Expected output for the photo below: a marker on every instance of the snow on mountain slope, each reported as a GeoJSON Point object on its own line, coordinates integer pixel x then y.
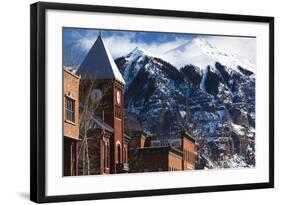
{"type": "Point", "coordinates": [132, 63]}
{"type": "Point", "coordinates": [203, 81]}
{"type": "Point", "coordinates": [216, 102]}
{"type": "Point", "coordinates": [201, 53]}
{"type": "Point", "coordinates": [151, 87]}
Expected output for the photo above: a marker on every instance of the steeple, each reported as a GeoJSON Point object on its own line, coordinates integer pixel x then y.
{"type": "Point", "coordinates": [99, 64]}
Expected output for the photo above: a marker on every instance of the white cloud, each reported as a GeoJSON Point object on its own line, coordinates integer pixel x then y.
{"type": "Point", "coordinates": [206, 50]}
{"type": "Point", "coordinates": [120, 45]}
{"type": "Point", "coordinates": [241, 46]}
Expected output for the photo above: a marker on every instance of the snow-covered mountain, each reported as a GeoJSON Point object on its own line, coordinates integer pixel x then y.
{"type": "Point", "coordinates": [211, 96]}
{"type": "Point", "coordinates": [201, 53]}
{"type": "Point", "coordinates": [155, 87]}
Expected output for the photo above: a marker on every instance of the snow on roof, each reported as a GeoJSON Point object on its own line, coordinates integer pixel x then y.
{"type": "Point", "coordinates": [96, 121]}
{"type": "Point", "coordinates": [99, 64]}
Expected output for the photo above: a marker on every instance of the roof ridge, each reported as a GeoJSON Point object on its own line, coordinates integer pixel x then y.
{"type": "Point", "coordinates": [99, 64]}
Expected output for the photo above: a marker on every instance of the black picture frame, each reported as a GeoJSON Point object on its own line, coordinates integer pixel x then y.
{"type": "Point", "coordinates": [38, 101]}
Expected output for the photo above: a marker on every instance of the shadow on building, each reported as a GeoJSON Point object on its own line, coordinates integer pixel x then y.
{"type": "Point", "coordinates": [150, 153]}
{"type": "Point", "coordinates": [94, 136]}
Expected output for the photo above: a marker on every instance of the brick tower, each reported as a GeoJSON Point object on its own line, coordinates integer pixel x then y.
{"type": "Point", "coordinates": [101, 78]}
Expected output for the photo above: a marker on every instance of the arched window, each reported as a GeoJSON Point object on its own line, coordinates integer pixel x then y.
{"type": "Point", "coordinates": [124, 154]}
{"type": "Point", "coordinates": [106, 154]}
{"type": "Point", "coordinates": [118, 153]}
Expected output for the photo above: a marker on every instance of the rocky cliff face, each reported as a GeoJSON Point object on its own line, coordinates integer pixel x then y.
{"type": "Point", "coordinates": [214, 101]}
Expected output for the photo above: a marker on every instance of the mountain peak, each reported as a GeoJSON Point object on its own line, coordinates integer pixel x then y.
{"type": "Point", "coordinates": [203, 42]}
{"type": "Point", "coordinates": [195, 43]}
{"type": "Point", "coordinates": [200, 52]}
{"type": "Point", "coordinates": [138, 51]}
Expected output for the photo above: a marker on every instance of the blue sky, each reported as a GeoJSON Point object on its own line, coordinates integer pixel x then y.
{"type": "Point", "coordinates": [78, 41]}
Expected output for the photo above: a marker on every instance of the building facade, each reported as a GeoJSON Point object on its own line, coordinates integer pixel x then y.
{"type": "Point", "coordinates": [150, 153]}
{"type": "Point", "coordinates": [99, 135]}
{"type": "Point", "coordinates": [70, 122]}
{"type": "Point", "coordinates": [94, 114]}
{"type": "Point", "coordinates": [188, 151]}
{"type": "Point", "coordinates": [102, 91]}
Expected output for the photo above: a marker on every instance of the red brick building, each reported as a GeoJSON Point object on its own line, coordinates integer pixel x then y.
{"type": "Point", "coordinates": [70, 122]}
{"type": "Point", "coordinates": [149, 154]}
{"type": "Point", "coordinates": [101, 93]}
{"type": "Point", "coordinates": [99, 135]}
{"type": "Point", "coordinates": [188, 151]}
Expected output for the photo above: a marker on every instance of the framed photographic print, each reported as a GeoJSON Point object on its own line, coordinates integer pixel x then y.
{"type": "Point", "coordinates": [129, 102]}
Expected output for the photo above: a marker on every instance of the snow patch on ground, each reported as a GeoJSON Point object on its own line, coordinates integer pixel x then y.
{"type": "Point", "coordinates": [235, 162]}
{"type": "Point", "coordinates": [238, 129]}
{"type": "Point", "coordinates": [182, 113]}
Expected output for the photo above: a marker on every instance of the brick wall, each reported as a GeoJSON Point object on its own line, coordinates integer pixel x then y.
{"type": "Point", "coordinates": [188, 154]}
{"type": "Point", "coordinates": [106, 108]}
{"type": "Point", "coordinates": [70, 157]}
{"type": "Point", "coordinates": [149, 162]}
{"type": "Point", "coordinates": [70, 129]}
{"type": "Point", "coordinates": [174, 162]}
{"type": "Point", "coordinates": [71, 90]}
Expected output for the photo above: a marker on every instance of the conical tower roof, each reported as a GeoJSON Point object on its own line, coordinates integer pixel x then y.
{"type": "Point", "coordinates": [99, 64]}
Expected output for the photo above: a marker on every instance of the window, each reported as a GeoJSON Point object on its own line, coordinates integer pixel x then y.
{"type": "Point", "coordinates": [118, 153]}
{"type": "Point", "coordinates": [106, 155]}
{"type": "Point", "coordinates": [124, 155]}
{"type": "Point", "coordinates": [103, 161]}
{"type": "Point", "coordinates": [191, 157]}
{"type": "Point", "coordinates": [118, 112]}
{"type": "Point", "coordinates": [69, 109]}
